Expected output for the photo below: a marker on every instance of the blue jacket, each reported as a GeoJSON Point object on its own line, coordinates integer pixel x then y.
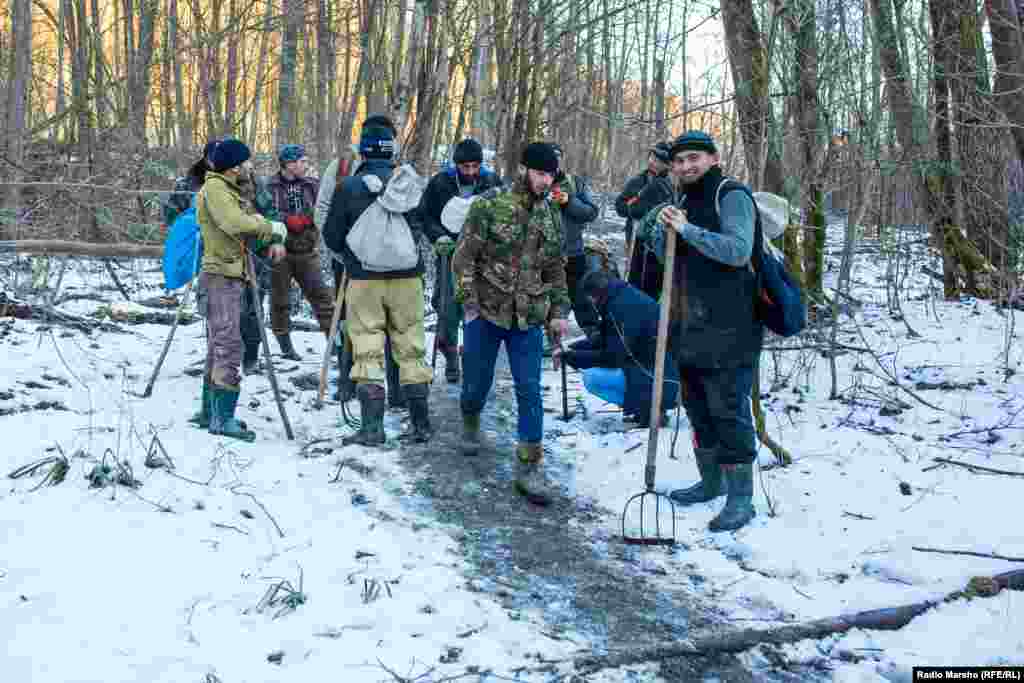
{"type": "Point", "coordinates": [580, 211]}
{"type": "Point", "coordinates": [350, 199]}
{"type": "Point", "coordinates": [628, 340]}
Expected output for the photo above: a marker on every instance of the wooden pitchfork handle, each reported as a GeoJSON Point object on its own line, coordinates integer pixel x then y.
{"type": "Point", "coordinates": [266, 349]}
{"type": "Point", "coordinates": [339, 302]}
{"type": "Point", "coordinates": [659, 357]}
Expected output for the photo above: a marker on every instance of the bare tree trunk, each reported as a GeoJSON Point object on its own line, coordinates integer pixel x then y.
{"type": "Point", "coordinates": [286, 105]}
{"type": "Point", "coordinates": [326, 55]}
{"type": "Point", "coordinates": [261, 70]}
{"type": "Point", "coordinates": [139, 61]}
{"type": "Point", "coordinates": [944, 26]}
{"type": "Point", "coordinates": [180, 108]}
{"type": "Point", "coordinates": [1004, 22]}
{"type": "Point", "coordinates": [16, 108]}
{"type": "Point", "coordinates": [166, 109]}
{"type": "Point", "coordinates": [748, 61]}
{"type": "Point", "coordinates": [232, 74]}
{"type": "Point", "coordinates": [61, 102]}
{"type": "Point", "coordinates": [98, 77]}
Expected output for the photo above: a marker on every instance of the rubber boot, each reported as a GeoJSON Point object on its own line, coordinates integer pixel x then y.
{"type": "Point", "coordinates": [371, 408]}
{"type": "Point", "coordinates": [222, 416]}
{"type": "Point", "coordinates": [419, 415]}
{"type": "Point", "coordinates": [473, 439]}
{"type": "Point", "coordinates": [396, 393]}
{"type": "Point", "coordinates": [251, 361]}
{"type": "Point", "coordinates": [202, 418]}
{"type": "Point", "coordinates": [710, 485]}
{"type": "Point", "coordinates": [451, 365]}
{"type": "Point", "coordinates": [284, 341]}
{"type": "Point", "coordinates": [739, 505]}
{"type": "Point", "coordinates": [530, 481]}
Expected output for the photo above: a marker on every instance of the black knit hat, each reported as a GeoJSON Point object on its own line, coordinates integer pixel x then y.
{"type": "Point", "coordinates": [662, 152]}
{"type": "Point", "coordinates": [540, 156]}
{"type": "Point", "coordinates": [694, 141]}
{"type": "Point", "coordinates": [468, 151]}
{"type": "Point", "coordinates": [377, 137]}
{"type": "Point", "coordinates": [228, 154]}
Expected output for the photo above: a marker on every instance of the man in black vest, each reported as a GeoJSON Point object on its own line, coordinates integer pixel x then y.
{"type": "Point", "coordinates": [717, 335]}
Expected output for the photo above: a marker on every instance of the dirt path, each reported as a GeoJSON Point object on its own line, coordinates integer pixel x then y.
{"type": "Point", "coordinates": [529, 557]}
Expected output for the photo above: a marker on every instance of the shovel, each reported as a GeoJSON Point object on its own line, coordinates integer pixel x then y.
{"type": "Point", "coordinates": [645, 537]}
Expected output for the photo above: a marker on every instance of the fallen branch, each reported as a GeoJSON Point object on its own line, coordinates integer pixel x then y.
{"type": "Point", "coordinates": [265, 511]}
{"type": "Point", "coordinates": [66, 248]}
{"type": "Point", "coordinates": [990, 470]}
{"type": "Point", "coordinates": [888, 619]}
{"type": "Point", "coordinates": [971, 553]}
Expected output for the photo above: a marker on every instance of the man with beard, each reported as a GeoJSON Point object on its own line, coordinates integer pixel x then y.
{"type": "Point", "coordinates": [464, 179]}
{"type": "Point", "coordinates": [510, 279]}
{"type": "Point", "coordinates": [642, 193]}
{"type": "Point", "coordinates": [717, 334]}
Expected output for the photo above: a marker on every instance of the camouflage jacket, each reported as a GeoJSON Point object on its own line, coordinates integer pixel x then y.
{"type": "Point", "coordinates": [509, 262]}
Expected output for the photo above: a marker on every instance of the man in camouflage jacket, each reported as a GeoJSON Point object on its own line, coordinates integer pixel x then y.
{"type": "Point", "coordinates": [510, 279]}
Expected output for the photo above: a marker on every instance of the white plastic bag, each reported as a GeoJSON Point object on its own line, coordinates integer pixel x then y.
{"type": "Point", "coordinates": [454, 213]}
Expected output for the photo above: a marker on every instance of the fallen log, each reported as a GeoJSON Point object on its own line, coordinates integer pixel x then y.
{"type": "Point", "coordinates": [887, 619]}
{"type": "Point", "coordinates": [11, 308]}
{"type": "Point", "coordinates": [68, 248]}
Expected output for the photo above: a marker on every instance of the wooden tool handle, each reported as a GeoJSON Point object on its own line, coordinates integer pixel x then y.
{"type": "Point", "coordinates": [659, 357]}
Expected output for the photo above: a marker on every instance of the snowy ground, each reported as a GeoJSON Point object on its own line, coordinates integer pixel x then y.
{"type": "Point", "coordinates": [164, 582]}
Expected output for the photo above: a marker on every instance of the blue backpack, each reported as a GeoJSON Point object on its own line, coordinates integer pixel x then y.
{"type": "Point", "coordinates": [780, 302]}
{"type": "Point", "coordinates": [183, 249]}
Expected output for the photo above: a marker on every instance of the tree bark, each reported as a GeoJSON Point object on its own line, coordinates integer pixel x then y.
{"type": "Point", "coordinates": [1004, 22]}
{"type": "Point", "coordinates": [286, 104]}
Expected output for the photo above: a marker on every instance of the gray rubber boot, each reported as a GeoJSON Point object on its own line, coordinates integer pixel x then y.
{"type": "Point", "coordinates": [710, 485]}
{"type": "Point", "coordinates": [371, 408]}
{"type": "Point", "coordinates": [739, 505]}
{"type": "Point", "coordinates": [531, 482]}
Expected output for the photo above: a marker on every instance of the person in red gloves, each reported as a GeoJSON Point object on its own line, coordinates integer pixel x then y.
{"type": "Point", "coordinates": [295, 197]}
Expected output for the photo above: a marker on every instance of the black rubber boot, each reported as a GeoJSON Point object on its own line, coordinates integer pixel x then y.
{"type": "Point", "coordinates": [451, 365]}
{"type": "Point", "coordinates": [419, 415]}
{"type": "Point", "coordinates": [710, 485]}
{"type": "Point", "coordinates": [222, 416]}
{"type": "Point", "coordinates": [739, 505]}
{"type": "Point", "coordinates": [371, 407]}
{"type": "Point", "coordinates": [284, 341]}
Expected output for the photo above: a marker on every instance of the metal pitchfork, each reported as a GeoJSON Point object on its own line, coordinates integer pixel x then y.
{"type": "Point", "coordinates": [645, 538]}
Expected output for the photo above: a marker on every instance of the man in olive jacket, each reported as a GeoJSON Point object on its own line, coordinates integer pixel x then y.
{"type": "Point", "coordinates": [225, 221]}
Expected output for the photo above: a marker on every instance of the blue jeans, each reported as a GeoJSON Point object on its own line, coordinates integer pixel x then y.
{"type": "Point", "coordinates": [481, 340]}
{"type": "Point", "coordinates": [608, 384]}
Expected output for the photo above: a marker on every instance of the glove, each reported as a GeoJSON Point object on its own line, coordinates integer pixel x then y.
{"type": "Point", "coordinates": [279, 230]}
{"type": "Point", "coordinates": [297, 223]}
{"type": "Point", "coordinates": [372, 183]}
{"type": "Point", "coordinates": [444, 246]}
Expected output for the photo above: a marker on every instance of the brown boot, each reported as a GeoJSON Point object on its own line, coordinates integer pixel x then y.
{"type": "Point", "coordinates": [531, 482]}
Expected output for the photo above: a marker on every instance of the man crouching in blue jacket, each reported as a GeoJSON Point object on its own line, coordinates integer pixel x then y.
{"type": "Point", "coordinates": [618, 362]}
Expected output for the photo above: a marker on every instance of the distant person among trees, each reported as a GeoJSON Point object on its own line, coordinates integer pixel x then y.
{"type": "Point", "coordinates": [641, 193]}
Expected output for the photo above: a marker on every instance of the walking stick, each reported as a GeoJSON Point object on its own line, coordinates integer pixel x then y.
{"type": "Point", "coordinates": [629, 254]}
{"type": "Point", "coordinates": [266, 349]}
{"type": "Point", "coordinates": [643, 538]}
{"type": "Point", "coordinates": [339, 302]}
{"type": "Point", "coordinates": [565, 389]}
{"type": "Point", "coordinates": [167, 343]}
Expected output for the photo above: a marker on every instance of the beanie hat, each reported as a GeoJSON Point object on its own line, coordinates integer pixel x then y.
{"type": "Point", "coordinates": [540, 156]}
{"type": "Point", "coordinates": [662, 152]}
{"type": "Point", "coordinates": [208, 149]}
{"type": "Point", "coordinates": [694, 141]}
{"type": "Point", "coordinates": [289, 153]}
{"type": "Point", "coordinates": [377, 138]}
{"type": "Point", "coordinates": [228, 154]}
{"type": "Point", "coordinates": [468, 151]}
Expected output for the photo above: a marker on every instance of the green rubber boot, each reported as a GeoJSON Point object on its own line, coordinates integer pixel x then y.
{"type": "Point", "coordinates": [202, 418]}
{"type": "Point", "coordinates": [710, 485]}
{"type": "Point", "coordinates": [473, 440]}
{"type": "Point", "coordinates": [222, 415]}
{"type": "Point", "coordinates": [739, 505]}
{"type": "Point", "coordinates": [371, 417]}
